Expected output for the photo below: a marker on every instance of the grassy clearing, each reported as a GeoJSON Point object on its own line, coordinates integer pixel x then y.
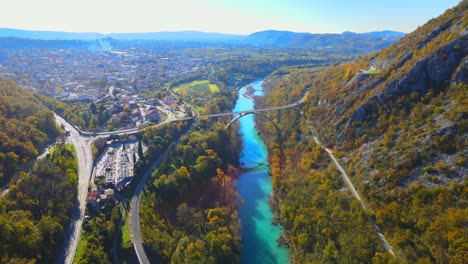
{"type": "Point", "coordinates": [203, 86]}
{"type": "Point", "coordinates": [373, 72]}
{"type": "Point", "coordinates": [214, 88]}
{"type": "Point", "coordinates": [80, 250]}
{"type": "Point", "coordinates": [199, 109]}
{"type": "Point", "coordinates": [126, 240]}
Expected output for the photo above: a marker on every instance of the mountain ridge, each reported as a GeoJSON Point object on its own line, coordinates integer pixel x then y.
{"type": "Point", "coordinates": [276, 38]}
{"type": "Point", "coordinates": [285, 38]}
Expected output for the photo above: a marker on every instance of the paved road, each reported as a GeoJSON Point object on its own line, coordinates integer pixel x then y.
{"type": "Point", "coordinates": [350, 186]}
{"type": "Point", "coordinates": [85, 164]}
{"type": "Point", "coordinates": [135, 203]}
{"type": "Point", "coordinates": [5, 189]}
{"type": "Point", "coordinates": [4, 192]}
{"type": "Point", "coordinates": [135, 213]}
{"type": "Point", "coordinates": [135, 207]}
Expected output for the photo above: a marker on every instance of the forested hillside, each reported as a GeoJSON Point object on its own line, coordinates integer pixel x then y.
{"type": "Point", "coordinates": [34, 214]}
{"type": "Point", "coordinates": [397, 122]}
{"type": "Point", "coordinates": [189, 210]}
{"type": "Point", "coordinates": [346, 43]}
{"type": "Point", "coordinates": [35, 211]}
{"type": "Point", "coordinates": [26, 125]}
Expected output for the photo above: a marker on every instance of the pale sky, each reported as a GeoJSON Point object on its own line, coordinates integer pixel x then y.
{"type": "Point", "coordinates": [225, 16]}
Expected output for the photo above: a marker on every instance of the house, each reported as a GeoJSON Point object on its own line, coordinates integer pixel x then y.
{"type": "Point", "coordinates": [136, 112]}
{"type": "Point", "coordinates": [109, 192]}
{"type": "Point", "coordinates": [133, 104]}
{"type": "Point", "coordinates": [168, 100]}
{"type": "Point", "coordinates": [153, 115]}
{"type": "Point", "coordinates": [174, 107]}
{"type": "Point", "coordinates": [92, 196]}
{"type": "Point", "coordinates": [91, 199]}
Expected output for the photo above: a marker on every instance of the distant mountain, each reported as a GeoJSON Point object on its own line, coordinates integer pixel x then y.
{"type": "Point", "coordinates": [26, 43]}
{"type": "Point", "coordinates": [348, 41]}
{"type": "Point", "coordinates": [48, 35]}
{"type": "Point", "coordinates": [195, 36]}
{"type": "Point", "coordinates": [383, 33]}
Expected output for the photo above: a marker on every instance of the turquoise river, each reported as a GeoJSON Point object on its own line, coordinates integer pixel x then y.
{"type": "Point", "coordinates": [259, 235]}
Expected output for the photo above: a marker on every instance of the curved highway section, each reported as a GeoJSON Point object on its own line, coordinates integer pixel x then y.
{"type": "Point", "coordinates": [135, 206]}
{"type": "Point", "coordinates": [84, 155]}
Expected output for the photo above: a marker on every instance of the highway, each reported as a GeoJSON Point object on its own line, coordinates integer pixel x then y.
{"type": "Point", "coordinates": [82, 146]}
{"type": "Point", "coordinates": [135, 213]}
{"type": "Point", "coordinates": [82, 140]}
{"type": "Point", "coordinates": [135, 207]}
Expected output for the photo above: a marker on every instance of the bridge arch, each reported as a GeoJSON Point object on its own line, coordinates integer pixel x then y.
{"type": "Point", "coordinates": [252, 113]}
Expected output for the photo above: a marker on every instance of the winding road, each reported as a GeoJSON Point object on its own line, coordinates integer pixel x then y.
{"type": "Point", "coordinates": [135, 213]}
{"type": "Point", "coordinates": [82, 146]}
{"type": "Point", "coordinates": [135, 206]}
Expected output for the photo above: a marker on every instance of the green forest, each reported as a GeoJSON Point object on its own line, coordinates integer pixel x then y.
{"type": "Point", "coordinates": [26, 125]}
{"type": "Point", "coordinates": [189, 207]}
{"type": "Point", "coordinates": [36, 210]}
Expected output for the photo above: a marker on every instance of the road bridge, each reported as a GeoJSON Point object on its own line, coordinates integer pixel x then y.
{"type": "Point", "coordinates": [232, 115]}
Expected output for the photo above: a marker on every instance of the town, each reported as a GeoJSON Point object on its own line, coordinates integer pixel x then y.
{"type": "Point", "coordinates": [82, 74]}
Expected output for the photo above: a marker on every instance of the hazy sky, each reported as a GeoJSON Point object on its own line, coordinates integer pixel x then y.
{"type": "Point", "coordinates": [227, 16]}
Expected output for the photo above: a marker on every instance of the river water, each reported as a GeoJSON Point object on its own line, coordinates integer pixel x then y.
{"type": "Point", "coordinates": [259, 235]}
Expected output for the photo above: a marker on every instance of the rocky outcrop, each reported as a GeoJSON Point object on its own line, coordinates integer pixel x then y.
{"type": "Point", "coordinates": [461, 75]}
{"type": "Point", "coordinates": [448, 65]}
{"type": "Point", "coordinates": [434, 72]}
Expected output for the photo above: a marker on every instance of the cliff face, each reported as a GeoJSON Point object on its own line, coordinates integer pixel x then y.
{"type": "Point", "coordinates": [409, 107]}
{"type": "Point", "coordinates": [445, 67]}
{"type": "Point", "coordinates": [434, 57]}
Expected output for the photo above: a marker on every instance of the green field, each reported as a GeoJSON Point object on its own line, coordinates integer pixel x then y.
{"type": "Point", "coordinates": [197, 86]}
{"type": "Point", "coordinates": [126, 239]}
{"type": "Point", "coordinates": [373, 72]}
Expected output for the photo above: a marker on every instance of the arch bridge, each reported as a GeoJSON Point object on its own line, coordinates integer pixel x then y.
{"type": "Point", "coordinates": [233, 118]}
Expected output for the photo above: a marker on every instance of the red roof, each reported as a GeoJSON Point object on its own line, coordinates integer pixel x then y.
{"type": "Point", "coordinates": [92, 196]}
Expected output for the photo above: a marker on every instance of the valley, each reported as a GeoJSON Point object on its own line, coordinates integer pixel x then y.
{"type": "Point", "coordinates": [271, 147]}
